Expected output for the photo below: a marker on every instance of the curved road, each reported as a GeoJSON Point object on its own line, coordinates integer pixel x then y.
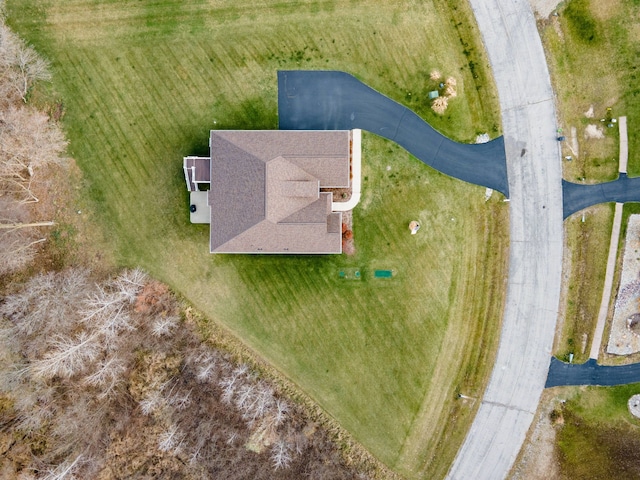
{"type": "Point", "coordinates": [317, 100]}
{"type": "Point", "coordinates": [529, 123]}
{"type": "Point", "coordinates": [332, 100]}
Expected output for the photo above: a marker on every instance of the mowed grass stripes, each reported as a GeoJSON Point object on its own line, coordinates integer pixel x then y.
{"type": "Point", "coordinates": [143, 82]}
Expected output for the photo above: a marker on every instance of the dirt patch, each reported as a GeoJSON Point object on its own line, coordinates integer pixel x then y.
{"type": "Point", "coordinates": [633, 323]}
{"type": "Point", "coordinates": [634, 32]}
{"type": "Point", "coordinates": [575, 149]}
{"type": "Point", "coordinates": [543, 8]}
{"type": "Point", "coordinates": [348, 243]}
{"type": "Point", "coordinates": [76, 238]}
{"type": "Point", "coordinates": [338, 194]}
{"type": "Point", "coordinates": [605, 10]}
{"type": "Point", "coordinates": [589, 113]}
{"type": "Point", "coordinates": [537, 460]}
{"type": "Point", "coordinates": [555, 23]}
{"type": "Point", "coordinates": [593, 131]}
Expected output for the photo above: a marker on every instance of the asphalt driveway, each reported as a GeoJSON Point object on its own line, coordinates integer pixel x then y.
{"type": "Point", "coordinates": [575, 196]}
{"type": "Point", "coordinates": [332, 100]}
{"type": "Point", "coordinates": [591, 373]}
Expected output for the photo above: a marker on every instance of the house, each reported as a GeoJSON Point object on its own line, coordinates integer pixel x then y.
{"type": "Point", "coordinates": [266, 191]}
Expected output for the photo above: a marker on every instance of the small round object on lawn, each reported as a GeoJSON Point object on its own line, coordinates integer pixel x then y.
{"type": "Point", "coordinates": [634, 405]}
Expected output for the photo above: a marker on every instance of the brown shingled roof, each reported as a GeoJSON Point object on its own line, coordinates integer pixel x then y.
{"type": "Point", "coordinates": [265, 190]}
{"type": "Point", "coordinates": [237, 194]}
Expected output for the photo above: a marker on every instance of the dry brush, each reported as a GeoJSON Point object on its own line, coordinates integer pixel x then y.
{"type": "Point", "coordinates": [29, 142]}
{"type": "Point", "coordinates": [107, 379]}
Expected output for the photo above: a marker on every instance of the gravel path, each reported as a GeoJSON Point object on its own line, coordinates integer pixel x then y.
{"type": "Point", "coordinates": [624, 340]}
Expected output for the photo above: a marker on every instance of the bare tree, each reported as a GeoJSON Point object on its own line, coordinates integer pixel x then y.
{"type": "Point", "coordinates": [206, 370]}
{"type": "Point", "coordinates": [171, 440]}
{"type": "Point", "coordinates": [47, 305]}
{"type": "Point", "coordinates": [163, 326]}
{"type": "Point", "coordinates": [64, 470]}
{"type": "Point", "coordinates": [31, 67]}
{"type": "Point", "coordinates": [107, 310]}
{"type": "Point", "coordinates": [281, 454]}
{"type": "Point", "coordinates": [19, 236]}
{"type": "Point", "coordinates": [180, 400]}
{"type": "Point", "coordinates": [35, 406]}
{"type": "Point", "coordinates": [17, 249]}
{"type": "Point", "coordinates": [28, 141]}
{"type": "Point", "coordinates": [21, 64]}
{"type": "Point", "coordinates": [439, 105]}
{"type": "Point", "coordinates": [245, 396]}
{"type": "Point", "coordinates": [151, 402]}
{"type": "Point", "coordinates": [129, 283]}
{"type": "Point", "coordinates": [107, 376]}
{"type": "Point", "coordinates": [67, 357]}
{"type": "Point", "coordinates": [9, 75]}
{"type": "Point", "coordinates": [260, 405]}
{"type": "Point", "coordinates": [282, 408]}
{"type": "Point", "coordinates": [231, 439]}
{"type": "Point", "coordinates": [231, 382]}
{"type": "Point", "coordinates": [107, 314]}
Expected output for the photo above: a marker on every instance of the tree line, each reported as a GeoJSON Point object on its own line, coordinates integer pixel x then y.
{"type": "Point", "coordinates": [30, 141]}
{"type": "Point", "coordinates": [106, 379]}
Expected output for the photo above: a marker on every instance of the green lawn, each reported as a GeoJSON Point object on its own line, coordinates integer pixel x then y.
{"type": "Point", "coordinates": [593, 49]}
{"type": "Point", "coordinates": [587, 250]}
{"type": "Point", "coordinates": [142, 83]}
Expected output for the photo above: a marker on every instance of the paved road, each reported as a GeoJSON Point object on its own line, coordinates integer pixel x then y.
{"type": "Point", "coordinates": [529, 122]}
{"type": "Point", "coordinates": [330, 100]}
{"type": "Point", "coordinates": [591, 373]}
{"type": "Point", "coordinates": [577, 196]}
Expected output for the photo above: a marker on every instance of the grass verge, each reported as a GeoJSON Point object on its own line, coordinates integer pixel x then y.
{"type": "Point", "coordinates": [593, 50]}
{"type": "Point", "coordinates": [587, 253]}
{"type": "Point", "coordinates": [143, 82]}
{"type": "Point", "coordinates": [587, 248]}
